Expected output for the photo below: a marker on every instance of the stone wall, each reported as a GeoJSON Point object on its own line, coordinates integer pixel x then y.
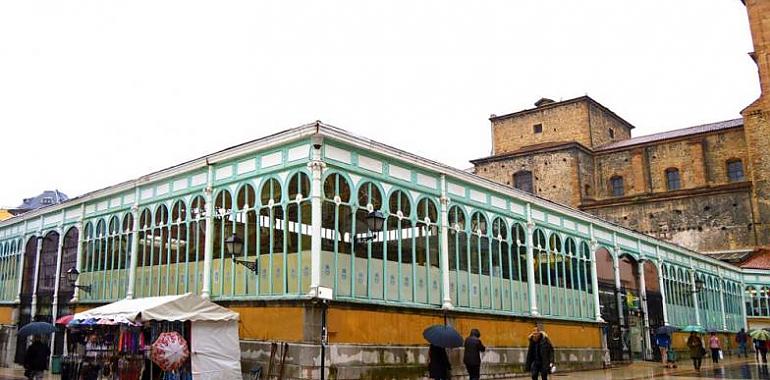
{"type": "Point", "coordinates": [601, 122]}
{"type": "Point", "coordinates": [565, 122]}
{"type": "Point", "coordinates": [554, 173]}
{"type": "Point", "coordinates": [346, 361]}
{"type": "Point", "coordinates": [711, 221]}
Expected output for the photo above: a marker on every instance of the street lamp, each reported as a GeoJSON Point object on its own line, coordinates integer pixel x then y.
{"type": "Point", "coordinates": [72, 277]}
{"type": "Point", "coordinates": [234, 247]}
{"type": "Point", "coordinates": [374, 221]}
{"type": "Point", "coordinates": [698, 285]}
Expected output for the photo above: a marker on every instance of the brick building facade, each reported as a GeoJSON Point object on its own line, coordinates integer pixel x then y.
{"type": "Point", "coordinates": [705, 187]}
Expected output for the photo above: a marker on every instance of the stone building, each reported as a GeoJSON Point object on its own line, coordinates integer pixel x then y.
{"type": "Point", "coordinates": [705, 187]}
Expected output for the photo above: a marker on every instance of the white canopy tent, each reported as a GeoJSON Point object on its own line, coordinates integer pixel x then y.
{"type": "Point", "coordinates": [214, 345]}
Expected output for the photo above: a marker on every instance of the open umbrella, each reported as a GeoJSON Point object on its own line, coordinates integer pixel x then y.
{"type": "Point", "coordinates": [759, 334]}
{"type": "Point", "coordinates": [443, 336]}
{"type": "Point", "coordinates": [667, 329]}
{"type": "Point", "coordinates": [37, 328]}
{"type": "Point", "coordinates": [693, 328]}
{"type": "Point", "coordinates": [64, 320]}
{"type": "Point", "coordinates": [169, 351]}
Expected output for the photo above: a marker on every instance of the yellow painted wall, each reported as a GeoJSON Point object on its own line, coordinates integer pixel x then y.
{"type": "Point", "coordinates": [271, 323]}
{"type": "Point", "coordinates": [6, 315]}
{"type": "Point", "coordinates": [385, 327]}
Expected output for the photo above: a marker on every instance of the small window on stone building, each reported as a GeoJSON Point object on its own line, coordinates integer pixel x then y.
{"type": "Point", "coordinates": [522, 180]}
{"type": "Point", "coordinates": [537, 128]}
{"type": "Point", "coordinates": [735, 170]}
{"type": "Point", "coordinates": [616, 186]}
{"type": "Point", "coordinates": [673, 182]}
{"type": "Point", "coordinates": [612, 133]}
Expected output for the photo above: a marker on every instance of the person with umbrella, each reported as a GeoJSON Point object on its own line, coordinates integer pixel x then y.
{"type": "Point", "coordinates": [695, 344]}
{"type": "Point", "coordinates": [663, 341]}
{"type": "Point", "coordinates": [440, 337]}
{"type": "Point", "coordinates": [472, 354]}
{"type": "Point", "coordinates": [36, 359]}
{"type": "Point", "coordinates": [539, 355]}
{"type": "Point", "coordinates": [760, 338]}
{"type": "Point", "coordinates": [438, 363]}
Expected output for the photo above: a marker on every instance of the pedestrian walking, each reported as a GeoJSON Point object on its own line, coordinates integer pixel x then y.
{"type": "Point", "coordinates": [539, 355]}
{"type": "Point", "coordinates": [761, 350]}
{"type": "Point", "coordinates": [742, 338]}
{"type": "Point", "coordinates": [695, 344]}
{"type": "Point", "coordinates": [36, 359]}
{"type": "Point", "coordinates": [472, 354]}
{"type": "Point", "coordinates": [715, 346]}
{"type": "Point", "coordinates": [663, 341]}
{"type": "Point", "coordinates": [438, 363]}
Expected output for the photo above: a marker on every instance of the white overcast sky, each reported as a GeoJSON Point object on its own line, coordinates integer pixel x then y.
{"type": "Point", "coordinates": [93, 93]}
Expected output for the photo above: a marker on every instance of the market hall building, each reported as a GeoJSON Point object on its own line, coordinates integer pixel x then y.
{"type": "Point", "coordinates": [485, 255]}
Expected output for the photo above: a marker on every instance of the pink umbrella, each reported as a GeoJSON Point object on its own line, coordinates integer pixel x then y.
{"type": "Point", "coordinates": [64, 320]}
{"type": "Point", "coordinates": [169, 351]}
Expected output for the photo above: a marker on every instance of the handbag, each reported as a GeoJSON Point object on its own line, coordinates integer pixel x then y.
{"type": "Point", "coordinates": [721, 355]}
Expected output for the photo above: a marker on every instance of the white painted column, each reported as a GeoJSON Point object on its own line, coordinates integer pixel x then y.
{"type": "Point", "coordinates": [316, 166]}
{"type": "Point", "coordinates": [618, 296]}
{"type": "Point", "coordinates": [743, 306]}
{"type": "Point", "coordinates": [446, 303]}
{"type": "Point", "coordinates": [208, 248]}
{"type": "Point", "coordinates": [695, 297]}
{"type": "Point", "coordinates": [79, 254]}
{"type": "Point", "coordinates": [531, 263]}
{"type": "Point", "coordinates": [38, 247]}
{"type": "Point", "coordinates": [595, 280]}
{"type": "Point", "coordinates": [643, 304]}
{"type": "Point", "coordinates": [662, 285]}
{"type": "Point", "coordinates": [55, 303]}
{"type": "Point", "coordinates": [20, 265]}
{"type": "Point", "coordinates": [134, 250]}
{"type": "Point", "coordinates": [722, 300]}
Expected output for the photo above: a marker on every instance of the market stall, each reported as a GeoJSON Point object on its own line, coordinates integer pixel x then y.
{"type": "Point", "coordinates": [171, 337]}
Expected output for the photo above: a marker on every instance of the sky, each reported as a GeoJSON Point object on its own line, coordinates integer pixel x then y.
{"type": "Point", "coordinates": [93, 93]}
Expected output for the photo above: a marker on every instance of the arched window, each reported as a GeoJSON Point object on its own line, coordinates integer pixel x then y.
{"type": "Point", "coordinates": [673, 181]}
{"type": "Point", "coordinates": [616, 186]}
{"type": "Point", "coordinates": [522, 180]}
{"type": "Point", "coordinates": [299, 215]}
{"type": "Point", "coordinates": [735, 170]}
{"type": "Point", "coordinates": [337, 225]}
{"type": "Point", "coordinates": [479, 261]}
{"type": "Point", "coordinates": [399, 247]}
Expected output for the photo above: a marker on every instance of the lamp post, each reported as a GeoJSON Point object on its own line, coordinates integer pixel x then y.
{"type": "Point", "coordinates": [72, 277]}
{"type": "Point", "coordinates": [374, 221]}
{"type": "Point", "coordinates": [234, 247]}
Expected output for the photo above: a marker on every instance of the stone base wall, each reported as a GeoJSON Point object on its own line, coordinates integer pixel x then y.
{"type": "Point", "coordinates": [345, 361]}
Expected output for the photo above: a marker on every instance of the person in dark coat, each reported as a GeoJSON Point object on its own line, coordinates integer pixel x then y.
{"type": "Point", "coordinates": [36, 359]}
{"type": "Point", "coordinates": [472, 355]}
{"type": "Point", "coordinates": [539, 355]}
{"type": "Point", "coordinates": [695, 344]}
{"type": "Point", "coordinates": [438, 363]}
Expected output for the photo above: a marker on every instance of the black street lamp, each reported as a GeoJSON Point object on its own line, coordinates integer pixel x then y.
{"type": "Point", "coordinates": [234, 247]}
{"type": "Point", "coordinates": [374, 221]}
{"type": "Point", "coordinates": [699, 283]}
{"type": "Point", "coordinates": [72, 277]}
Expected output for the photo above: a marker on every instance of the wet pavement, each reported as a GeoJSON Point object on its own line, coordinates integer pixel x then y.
{"type": "Point", "coordinates": [730, 369]}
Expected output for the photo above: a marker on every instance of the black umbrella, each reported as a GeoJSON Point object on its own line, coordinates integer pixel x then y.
{"type": "Point", "coordinates": [667, 329]}
{"type": "Point", "coordinates": [443, 336]}
{"type": "Point", "coordinates": [37, 328]}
